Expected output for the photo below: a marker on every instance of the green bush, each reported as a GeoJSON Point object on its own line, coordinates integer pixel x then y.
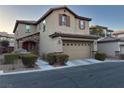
{"type": "Point", "coordinates": [29, 60]}
{"type": "Point", "coordinates": [57, 58]}
{"type": "Point", "coordinates": [51, 58]}
{"type": "Point", "coordinates": [100, 56]}
{"type": "Point", "coordinates": [121, 56]}
{"type": "Point", "coordinates": [9, 58]}
{"type": "Point", "coordinates": [62, 58]}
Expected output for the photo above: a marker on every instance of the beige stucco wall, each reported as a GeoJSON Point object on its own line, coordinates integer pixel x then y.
{"type": "Point", "coordinates": [48, 44]}
{"type": "Point", "coordinates": [21, 31]}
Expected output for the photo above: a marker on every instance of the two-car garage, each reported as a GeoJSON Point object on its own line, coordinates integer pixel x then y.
{"type": "Point", "coordinates": [78, 49]}
{"type": "Point", "coordinates": [77, 46]}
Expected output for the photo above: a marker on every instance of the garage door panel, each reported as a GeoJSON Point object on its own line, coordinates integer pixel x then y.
{"type": "Point", "coordinates": [77, 50]}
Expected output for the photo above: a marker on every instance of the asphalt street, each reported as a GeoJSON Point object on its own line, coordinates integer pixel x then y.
{"type": "Point", "coordinates": [102, 75]}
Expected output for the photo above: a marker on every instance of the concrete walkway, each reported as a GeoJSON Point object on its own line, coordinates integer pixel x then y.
{"type": "Point", "coordinates": [45, 66]}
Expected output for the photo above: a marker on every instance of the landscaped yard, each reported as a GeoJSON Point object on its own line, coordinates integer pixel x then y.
{"type": "Point", "coordinates": [16, 66]}
{"type": "Point", "coordinates": [24, 61]}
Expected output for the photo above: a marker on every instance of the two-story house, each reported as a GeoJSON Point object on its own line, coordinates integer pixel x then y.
{"type": "Point", "coordinates": [58, 30]}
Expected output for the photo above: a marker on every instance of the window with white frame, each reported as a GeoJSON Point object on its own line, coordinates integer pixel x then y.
{"type": "Point", "coordinates": [81, 24]}
{"type": "Point", "coordinates": [28, 28]}
{"type": "Point", "coordinates": [64, 19]}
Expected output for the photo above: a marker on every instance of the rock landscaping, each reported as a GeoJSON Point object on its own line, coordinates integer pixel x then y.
{"type": "Point", "coordinates": [12, 62]}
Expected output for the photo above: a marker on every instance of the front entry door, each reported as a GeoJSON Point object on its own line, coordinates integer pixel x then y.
{"type": "Point", "coordinates": [29, 45]}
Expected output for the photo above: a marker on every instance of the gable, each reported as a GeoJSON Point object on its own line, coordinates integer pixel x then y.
{"type": "Point", "coordinates": [60, 8]}
{"type": "Point", "coordinates": [48, 13]}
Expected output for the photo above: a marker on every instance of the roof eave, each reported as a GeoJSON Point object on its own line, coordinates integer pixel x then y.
{"type": "Point", "coordinates": [109, 41]}
{"type": "Point", "coordinates": [73, 36]}
{"type": "Point", "coordinates": [17, 22]}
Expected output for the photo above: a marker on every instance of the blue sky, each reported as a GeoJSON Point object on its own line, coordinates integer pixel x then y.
{"type": "Point", "coordinates": [110, 16]}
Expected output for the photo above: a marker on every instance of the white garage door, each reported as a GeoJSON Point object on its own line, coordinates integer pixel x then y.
{"type": "Point", "coordinates": [122, 49]}
{"type": "Point", "coordinates": [77, 50]}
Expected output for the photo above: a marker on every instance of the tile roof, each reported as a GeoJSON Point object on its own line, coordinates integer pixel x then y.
{"type": "Point", "coordinates": [118, 32]}
{"type": "Point", "coordinates": [46, 14]}
{"type": "Point", "coordinates": [110, 39]}
{"type": "Point", "coordinates": [70, 35]}
{"type": "Point", "coordinates": [5, 34]}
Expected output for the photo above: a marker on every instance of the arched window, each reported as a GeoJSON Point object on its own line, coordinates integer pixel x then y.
{"type": "Point", "coordinates": [64, 20]}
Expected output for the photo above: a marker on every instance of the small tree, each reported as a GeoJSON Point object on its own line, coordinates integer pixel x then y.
{"type": "Point", "coordinates": [4, 43]}
{"type": "Point", "coordinates": [97, 31]}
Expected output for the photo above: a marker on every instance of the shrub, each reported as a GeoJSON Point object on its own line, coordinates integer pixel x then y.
{"type": "Point", "coordinates": [121, 56]}
{"type": "Point", "coordinates": [29, 60]}
{"type": "Point", "coordinates": [50, 57]}
{"type": "Point", "coordinates": [9, 58]}
{"type": "Point", "coordinates": [62, 59]}
{"type": "Point", "coordinates": [100, 56]}
{"type": "Point", "coordinates": [57, 58]}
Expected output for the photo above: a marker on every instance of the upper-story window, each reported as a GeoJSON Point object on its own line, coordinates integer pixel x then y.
{"type": "Point", "coordinates": [64, 20]}
{"type": "Point", "coordinates": [28, 28]}
{"type": "Point", "coordinates": [81, 24]}
{"type": "Point", "coordinates": [44, 25]}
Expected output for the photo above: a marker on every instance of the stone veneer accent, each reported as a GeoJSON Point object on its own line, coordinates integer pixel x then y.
{"type": "Point", "coordinates": [35, 38]}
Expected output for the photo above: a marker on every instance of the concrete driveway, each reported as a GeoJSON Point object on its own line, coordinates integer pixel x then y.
{"type": "Point", "coordinates": [79, 62]}
{"type": "Point", "coordinates": [97, 75]}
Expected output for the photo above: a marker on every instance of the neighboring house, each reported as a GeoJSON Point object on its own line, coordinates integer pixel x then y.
{"type": "Point", "coordinates": [112, 46]}
{"type": "Point", "coordinates": [58, 30]}
{"type": "Point", "coordinates": [8, 37]}
{"type": "Point", "coordinates": [105, 31]}
{"type": "Point", "coordinates": [119, 34]}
